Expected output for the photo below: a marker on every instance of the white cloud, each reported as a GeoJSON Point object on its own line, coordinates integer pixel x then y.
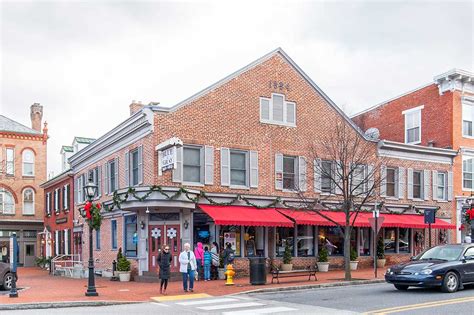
{"type": "Point", "coordinates": [86, 61]}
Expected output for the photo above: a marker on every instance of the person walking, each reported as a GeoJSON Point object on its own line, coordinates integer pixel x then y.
{"type": "Point", "coordinates": [215, 260]}
{"type": "Point", "coordinates": [164, 261]}
{"type": "Point", "coordinates": [199, 254]}
{"type": "Point", "coordinates": [228, 255]}
{"type": "Point", "coordinates": [207, 264]}
{"type": "Point", "coordinates": [187, 266]}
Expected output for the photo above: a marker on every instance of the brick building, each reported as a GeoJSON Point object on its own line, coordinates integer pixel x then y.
{"type": "Point", "coordinates": [22, 169]}
{"type": "Point", "coordinates": [248, 135]}
{"type": "Point", "coordinates": [439, 114]}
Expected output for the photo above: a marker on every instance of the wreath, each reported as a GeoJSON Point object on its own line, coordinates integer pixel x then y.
{"type": "Point", "coordinates": [92, 215]}
{"type": "Point", "coordinates": [469, 216]}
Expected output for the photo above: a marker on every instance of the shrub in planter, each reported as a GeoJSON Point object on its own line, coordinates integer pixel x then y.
{"type": "Point", "coordinates": [287, 265]}
{"type": "Point", "coordinates": [380, 253]}
{"type": "Point", "coordinates": [123, 266]}
{"type": "Point", "coordinates": [353, 259]}
{"type": "Point", "coordinates": [323, 261]}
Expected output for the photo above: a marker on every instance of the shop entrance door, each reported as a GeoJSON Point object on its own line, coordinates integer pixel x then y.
{"type": "Point", "coordinates": [29, 251]}
{"type": "Point", "coordinates": [158, 236]}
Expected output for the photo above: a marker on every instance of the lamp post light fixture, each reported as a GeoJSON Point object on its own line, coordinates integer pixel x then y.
{"type": "Point", "coordinates": [90, 191]}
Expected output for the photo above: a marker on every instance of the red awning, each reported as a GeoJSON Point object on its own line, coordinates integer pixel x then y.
{"type": "Point", "coordinates": [390, 220]}
{"type": "Point", "coordinates": [249, 216]}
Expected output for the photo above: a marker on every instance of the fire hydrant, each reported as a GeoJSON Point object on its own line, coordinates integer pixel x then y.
{"type": "Point", "coordinates": [230, 275]}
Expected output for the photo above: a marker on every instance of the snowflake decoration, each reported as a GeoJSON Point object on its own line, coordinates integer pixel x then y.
{"type": "Point", "coordinates": [155, 233]}
{"type": "Point", "coordinates": [171, 233]}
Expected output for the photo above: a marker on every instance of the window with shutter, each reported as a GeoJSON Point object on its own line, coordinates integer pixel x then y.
{"type": "Point", "coordinates": [193, 164]}
{"type": "Point", "coordinates": [417, 181]}
{"type": "Point", "coordinates": [327, 177]}
{"type": "Point", "coordinates": [239, 168]}
{"type": "Point", "coordinates": [441, 186]}
{"type": "Point", "coordinates": [290, 172]}
{"type": "Point", "coordinates": [134, 168]}
{"type": "Point", "coordinates": [391, 182]}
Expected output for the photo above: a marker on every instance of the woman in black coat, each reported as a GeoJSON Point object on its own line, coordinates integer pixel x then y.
{"type": "Point", "coordinates": [164, 261]}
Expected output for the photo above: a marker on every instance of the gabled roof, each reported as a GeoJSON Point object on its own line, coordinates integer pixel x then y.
{"type": "Point", "coordinates": [252, 65]}
{"type": "Point", "coordinates": [83, 140]}
{"type": "Point", "coordinates": [9, 125]}
{"type": "Point", "coordinates": [67, 148]}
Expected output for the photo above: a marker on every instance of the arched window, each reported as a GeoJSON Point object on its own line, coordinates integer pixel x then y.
{"type": "Point", "coordinates": [28, 163]}
{"type": "Point", "coordinates": [28, 201]}
{"type": "Point", "coordinates": [7, 203]}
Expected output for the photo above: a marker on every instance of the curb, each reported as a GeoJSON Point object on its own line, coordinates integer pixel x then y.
{"type": "Point", "coordinates": [312, 286]}
{"type": "Point", "coordinates": [45, 305]}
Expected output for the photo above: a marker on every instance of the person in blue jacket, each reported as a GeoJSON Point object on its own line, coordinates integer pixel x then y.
{"type": "Point", "coordinates": [207, 264]}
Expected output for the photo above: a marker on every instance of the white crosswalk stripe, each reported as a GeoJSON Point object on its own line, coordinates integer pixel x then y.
{"type": "Point", "coordinates": [270, 310]}
{"type": "Point", "coordinates": [229, 306]}
{"type": "Point", "coordinates": [209, 301]}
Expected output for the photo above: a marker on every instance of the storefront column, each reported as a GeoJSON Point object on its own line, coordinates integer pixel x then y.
{"type": "Point", "coordinates": [265, 244]}
{"type": "Point", "coordinates": [242, 241]}
{"type": "Point", "coordinates": [295, 241]}
{"type": "Point", "coordinates": [316, 241]}
{"type": "Point", "coordinates": [142, 254]}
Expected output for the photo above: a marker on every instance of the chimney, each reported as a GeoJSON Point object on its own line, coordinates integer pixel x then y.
{"type": "Point", "coordinates": [36, 114]}
{"type": "Point", "coordinates": [135, 107]}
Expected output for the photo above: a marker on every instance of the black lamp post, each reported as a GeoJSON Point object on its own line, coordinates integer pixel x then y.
{"type": "Point", "coordinates": [90, 191]}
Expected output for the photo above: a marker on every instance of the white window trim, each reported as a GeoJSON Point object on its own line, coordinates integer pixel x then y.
{"type": "Point", "coordinates": [48, 203]}
{"type": "Point", "coordinates": [411, 111]}
{"type": "Point", "coordinates": [66, 197]}
{"type": "Point", "coordinates": [471, 120]}
{"type": "Point", "coordinates": [396, 183]}
{"type": "Point", "coordinates": [56, 199]}
{"type": "Point", "coordinates": [445, 187]}
{"type": "Point", "coordinates": [33, 202]}
{"type": "Point", "coordinates": [7, 161]}
{"type": "Point", "coordinates": [13, 212]}
{"type": "Point", "coordinates": [422, 184]}
{"type": "Point", "coordinates": [23, 163]}
{"type": "Point", "coordinates": [247, 169]}
{"type": "Point", "coordinates": [201, 163]}
{"type": "Point", "coordinates": [296, 170]}
{"type": "Point", "coordinates": [270, 111]}
{"type": "Point", "coordinates": [466, 157]}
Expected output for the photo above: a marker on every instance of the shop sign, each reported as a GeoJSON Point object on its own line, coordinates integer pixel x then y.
{"type": "Point", "coordinates": [61, 220]}
{"type": "Point", "coordinates": [167, 154]}
{"type": "Point", "coordinates": [230, 237]}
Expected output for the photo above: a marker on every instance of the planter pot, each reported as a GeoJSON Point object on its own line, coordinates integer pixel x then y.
{"type": "Point", "coordinates": [124, 276]}
{"type": "Point", "coordinates": [381, 263]}
{"type": "Point", "coordinates": [220, 272]}
{"type": "Point", "coordinates": [286, 267]}
{"type": "Point", "coordinates": [323, 266]}
{"type": "Point", "coordinates": [354, 264]}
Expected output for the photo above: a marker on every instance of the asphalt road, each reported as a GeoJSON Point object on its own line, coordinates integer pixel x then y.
{"type": "Point", "coordinates": [381, 299]}
{"type": "Point", "coordinates": [362, 299]}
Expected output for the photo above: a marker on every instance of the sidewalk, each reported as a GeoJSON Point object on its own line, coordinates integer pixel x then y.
{"type": "Point", "coordinates": [41, 287]}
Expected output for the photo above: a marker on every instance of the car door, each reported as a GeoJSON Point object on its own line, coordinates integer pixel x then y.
{"type": "Point", "coordinates": [468, 265]}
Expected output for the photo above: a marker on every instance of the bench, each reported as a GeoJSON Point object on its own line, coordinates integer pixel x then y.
{"type": "Point", "coordinates": [309, 271]}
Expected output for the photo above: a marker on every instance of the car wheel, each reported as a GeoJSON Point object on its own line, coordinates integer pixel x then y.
{"type": "Point", "coordinates": [450, 283]}
{"type": "Point", "coordinates": [401, 287]}
{"type": "Point", "coordinates": [7, 281]}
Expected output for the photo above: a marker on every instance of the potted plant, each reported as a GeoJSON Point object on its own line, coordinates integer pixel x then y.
{"type": "Point", "coordinates": [353, 257]}
{"type": "Point", "coordinates": [123, 267]}
{"type": "Point", "coordinates": [287, 265]}
{"type": "Point", "coordinates": [221, 269]}
{"type": "Point", "coordinates": [380, 253]}
{"type": "Point", "coordinates": [323, 261]}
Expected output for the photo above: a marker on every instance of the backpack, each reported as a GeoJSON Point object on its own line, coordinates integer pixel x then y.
{"type": "Point", "coordinates": [230, 257]}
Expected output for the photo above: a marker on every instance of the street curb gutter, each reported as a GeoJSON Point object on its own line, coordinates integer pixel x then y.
{"type": "Point", "coordinates": [44, 305]}
{"type": "Point", "coordinates": [312, 286]}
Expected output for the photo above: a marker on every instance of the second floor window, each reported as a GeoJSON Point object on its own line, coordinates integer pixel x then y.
{"type": "Point", "coordinates": [192, 164]}
{"type": "Point", "coordinates": [441, 186]}
{"type": "Point", "coordinates": [48, 203]}
{"type": "Point", "coordinates": [112, 176]}
{"type": "Point", "coordinates": [417, 184]}
{"type": "Point", "coordinates": [66, 198]}
{"type": "Point", "coordinates": [359, 179]}
{"type": "Point", "coordinates": [413, 126]}
{"type": "Point", "coordinates": [95, 175]}
{"type": "Point", "coordinates": [467, 173]}
{"type": "Point", "coordinates": [276, 110]}
{"type": "Point", "coordinates": [238, 168]}
{"type": "Point", "coordinates": [10, 161]}
{"type": "Point", "coordinates": [327, 177]}
{"type": "Point", "coordinates": [56, 199]}
{"type": "Point", "coordinates": [290, 167]}
{"type": "Point", "coordinates": [467, 119]}
{"type": "Point", "coordinates": [391, 182]}
{"type": "Point", "coordinates": [7, 203]}
{"type": "Point", "coordinates": [28, 201]}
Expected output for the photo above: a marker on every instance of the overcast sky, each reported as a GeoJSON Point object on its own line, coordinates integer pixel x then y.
{"type": "Point", "coordinates": [86, 61]}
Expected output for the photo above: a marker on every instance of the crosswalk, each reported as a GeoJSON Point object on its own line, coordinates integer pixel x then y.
{"type": "Point", "coordinates": [231, 306]}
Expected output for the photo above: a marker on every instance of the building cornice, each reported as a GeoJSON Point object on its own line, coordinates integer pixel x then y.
{"type": "Point", "coordinates": [415, 152]}
{"type": "Point", "coordinates": [21, 136]}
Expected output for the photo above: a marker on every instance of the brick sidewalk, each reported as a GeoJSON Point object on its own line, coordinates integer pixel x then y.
{"type": "Point", "coordinates": [41, 287]}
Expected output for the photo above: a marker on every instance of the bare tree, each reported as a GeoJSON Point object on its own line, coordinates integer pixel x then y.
{"type": "Point", "coordinates": [346, 167]}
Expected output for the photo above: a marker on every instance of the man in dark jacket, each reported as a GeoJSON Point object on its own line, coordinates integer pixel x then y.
{"type": "Point", "coordinates": [164, 261]}
{"type": "Point", "coordinates": [228, 255]}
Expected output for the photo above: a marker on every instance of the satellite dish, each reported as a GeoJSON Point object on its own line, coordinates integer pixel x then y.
{"type": "Point", "coordinates": [372, 133]}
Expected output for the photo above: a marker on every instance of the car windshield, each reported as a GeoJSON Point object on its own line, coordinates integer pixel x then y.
{"type": "Point", "coordinates": [441, 253]}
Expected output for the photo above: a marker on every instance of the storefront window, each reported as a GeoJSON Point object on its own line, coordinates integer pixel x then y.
{"type": "Point", "coordinates": [390, 236]}
{"type": "Point", "coordinates": [230, 234]}
{"type": "Point", "coordinates": [364, 245]}
{"type": "Point", "coordinates": [305, 245]}
{"type": "Point", "coordinates": [403, 240]}
{"type": "Point", "coordinates": [331, 239]}
{"type": "Point", "coordinates": [131, 236]}
{"type": "Point", "coordinates": [284, 235]}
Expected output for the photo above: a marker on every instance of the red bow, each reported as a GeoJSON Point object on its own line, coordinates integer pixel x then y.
{"type": "Point", "coordinates": [470, 213]}
{"type": "Point", "coordinates": [88, 207]}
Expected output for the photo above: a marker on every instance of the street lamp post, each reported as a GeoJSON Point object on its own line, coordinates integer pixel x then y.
{"type": "Point", "coordinates": [90, 191]}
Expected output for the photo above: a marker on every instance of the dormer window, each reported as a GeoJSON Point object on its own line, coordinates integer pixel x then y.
{"type": "Point", "coordinates": [276, 110]}
{"type": "Point", "coordinates": [413, 125]}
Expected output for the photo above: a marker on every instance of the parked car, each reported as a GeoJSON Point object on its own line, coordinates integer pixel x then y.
{"type": "Point", "coordinates": [449, 267]}
{"type": "Point", "coordinates": [6, 276]}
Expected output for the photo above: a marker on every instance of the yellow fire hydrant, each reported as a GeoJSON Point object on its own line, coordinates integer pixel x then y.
{"type": "Point", "coordinates": [230, 275]}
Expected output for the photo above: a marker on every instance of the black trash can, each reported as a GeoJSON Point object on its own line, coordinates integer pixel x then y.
{"type": "Point", "coordinates": [258, 271]}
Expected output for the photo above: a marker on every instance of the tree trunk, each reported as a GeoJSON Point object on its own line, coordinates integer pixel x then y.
{"type": "Point", "coordinates": [347, 252]}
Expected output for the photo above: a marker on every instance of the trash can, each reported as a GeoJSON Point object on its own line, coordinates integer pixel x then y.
{"type": "Point", "coordinates": [258, 271]}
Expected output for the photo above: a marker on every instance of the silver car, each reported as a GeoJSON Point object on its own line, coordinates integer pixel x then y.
{"type": "Point", "coordinates": [6, 277]}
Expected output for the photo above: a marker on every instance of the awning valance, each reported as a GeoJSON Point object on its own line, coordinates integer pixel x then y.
{"type": "Point", "coordinates": [390, 220]}
{"type": "Point", "coordinates": [249, 216]}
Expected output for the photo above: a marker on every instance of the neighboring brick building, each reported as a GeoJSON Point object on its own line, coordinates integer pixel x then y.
{"type": "Point", "coordinates": [22, 169]}
{"type": "Point", "coordinates": [248, 135]}
{"type": "Point", "coordinates": [439, 114]}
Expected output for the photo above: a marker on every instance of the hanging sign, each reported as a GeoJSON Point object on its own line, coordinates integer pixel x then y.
{"type": "Point", "coordinates": [167, 151]}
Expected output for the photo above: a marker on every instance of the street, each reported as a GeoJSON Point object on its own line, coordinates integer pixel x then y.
{"type": "Point", "coordinates": [363, 299]}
